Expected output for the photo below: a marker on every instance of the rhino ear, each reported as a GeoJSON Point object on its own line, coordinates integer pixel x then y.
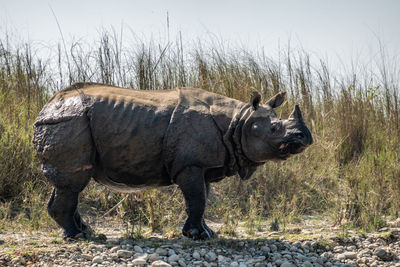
{"type": "Point", "coordinates": [255, 99]}
{"type": "Point", "coordinates": [276, 100]}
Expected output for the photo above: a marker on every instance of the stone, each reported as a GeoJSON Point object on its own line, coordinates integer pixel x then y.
{"type": "Point", "coordinates": [341, 256]}
{"type": "Point", "coordinates": [287, 256]}
{"type": "Point", "coordinates": [138, 249]}
{"type": "Point", "coordinates": [153, 257]}
{"type": "Point", "coordinates": [127, 242]}
{"type": "Point", "coordinates": [196, 255]}
{"type": "Point", "coordinates": [287, 264]}
{"type": "Point", "coordinates": [210, 256]}
{"type": "Point", "coordinates": [221, 259]}
{"type": "Point", "coordinates": [160, 263]}
{"type": "Point", "coordinates": [307, 264]}
{"type": "Point", "coordinates": [350, 255]}
{"type": "Point", "coordinates": [18, 259]}
{"type": "Point", "coordinates": [203, 252]}
{"type": "Point", "coordinates": [338, 249]}
{"type": "Point", "coordinates": [327, 254]}
{"type": "Point", "coordinates": [122, 253]}
{"type": "Point", "coordinates": [234, 264]}
{"type": "Point", "coordinates": [87, 257]}
{"type": "Point", "coordinates": [181, 262]}
{"type": "Point", "coordinates": [161, 251]}
{"type": "Point", "coordinates": [265, 249]}
{"type": "Point", "coordinates": [113, 241]}
{"type": "Point", "coordinates": [97, 259]}
{"type": "Point", "coordinates": [173, 258]}
{"type": "Point", "coordinates": [114, 256]}
{"type": "Point", "coordinates": [383, 254]}
{"type": "Point", "coordinates": [114, 249]}
{"type": "Point", "coordinates": [139, 261]}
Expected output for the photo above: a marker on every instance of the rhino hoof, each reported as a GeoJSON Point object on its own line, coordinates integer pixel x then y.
{"type": "Point", "coordinates": [201, 232]}
{"type": "Point", "coordinates": [79, 236]}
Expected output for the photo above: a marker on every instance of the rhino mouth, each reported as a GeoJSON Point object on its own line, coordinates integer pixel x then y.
{"type": "Point", "coordinates": [286, 149]}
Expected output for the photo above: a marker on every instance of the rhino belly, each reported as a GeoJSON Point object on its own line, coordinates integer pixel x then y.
{"type": "Point", "coordinates": [129, 140]}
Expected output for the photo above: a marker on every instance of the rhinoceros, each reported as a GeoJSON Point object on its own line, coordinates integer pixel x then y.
{"type": "Point", "coordinates": [131, 139]}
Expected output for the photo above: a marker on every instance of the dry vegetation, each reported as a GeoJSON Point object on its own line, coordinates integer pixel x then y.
{"type": "Point", "coordinates": [351, 173]}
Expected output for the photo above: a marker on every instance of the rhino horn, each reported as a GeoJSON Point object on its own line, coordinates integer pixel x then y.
{"type": "Point", "coordinates": [296, 114]}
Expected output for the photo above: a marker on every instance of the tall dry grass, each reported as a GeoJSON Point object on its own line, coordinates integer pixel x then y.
{"type": "Point", "coordinates": [352, 172]}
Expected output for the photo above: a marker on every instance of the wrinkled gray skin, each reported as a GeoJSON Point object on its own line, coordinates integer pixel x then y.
{"type": "Point", "coordinates": [128, 139]}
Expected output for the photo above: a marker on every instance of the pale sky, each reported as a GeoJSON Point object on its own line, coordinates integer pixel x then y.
{"type": "Point", "coordinates": [343, 28]}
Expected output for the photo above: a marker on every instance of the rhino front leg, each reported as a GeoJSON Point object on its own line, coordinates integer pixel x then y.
{"type": "Point", "coordinates": [191, 182]}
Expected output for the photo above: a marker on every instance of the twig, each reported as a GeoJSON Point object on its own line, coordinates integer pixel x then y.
{"type": "Point", "coordinates": [116, 206]}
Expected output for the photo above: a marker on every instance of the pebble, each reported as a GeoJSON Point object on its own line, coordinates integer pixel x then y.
{"type": "Point", "coordinates": [203, 252]}
{"type": "Point", "coordinates": [161, 251]}
{"type": "Point", "coordinates": [114, 249]}
{"type": "Point", "coordinates": [173, 258]}
{"type": "Point", "coordinates": [350, 255]}
{"type": "Point", "coordinates": [383, 254]}
{"type": "Point", "coordinates": [138, 249]}
{"type": "Point", "coordinates": [139, 261]}
{"type": "Point", "coordinates": [287, 264]}
{"type": "Point", "coordinates": [196, 255]}
{"type": "Point", "coordinates": [265, 249]}
{"type": "Point", "coordinates": [160, 263]}
{"type": "Point", "coordinates": [182, 263]}
{"type": "Point", "coordinates": [210, 256]}
{"type": "Point", "coordinates": [221, 258]}
{"type": "Point", "coordinates": [124, 253]}
{"type": "Point", "coordinates": [307, 264]}
{"type": "Point", "coordinates": [113, 241]}
{"type": "Point", "coordinates": [97, 259]}
{"type": "Point", "coordinates": [153, 257]}
{"type": "Point", "coordinates": [87, 257]}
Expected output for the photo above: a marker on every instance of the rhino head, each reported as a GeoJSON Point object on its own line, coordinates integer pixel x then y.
{"type": "Point", "coordinates": [265, 136]}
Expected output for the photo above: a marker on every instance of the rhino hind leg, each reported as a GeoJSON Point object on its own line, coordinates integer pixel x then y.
{"type": "Point", "coordinates": [210, 231]}
{"type": "Point", "coordinates": [194, 189]}
{"type": "Point", "coordinates": [82, 225]}
{"type": "Point", "coordinates": [62, 207]}
{"type": "Point", "coordinates": [68, 154]}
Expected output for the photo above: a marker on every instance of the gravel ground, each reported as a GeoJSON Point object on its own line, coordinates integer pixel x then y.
{"type": "Point", "coordinates": [310, 245]}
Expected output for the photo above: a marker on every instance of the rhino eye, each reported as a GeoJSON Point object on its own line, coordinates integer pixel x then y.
{"type": "Point", "coordinates": [256, 129]}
